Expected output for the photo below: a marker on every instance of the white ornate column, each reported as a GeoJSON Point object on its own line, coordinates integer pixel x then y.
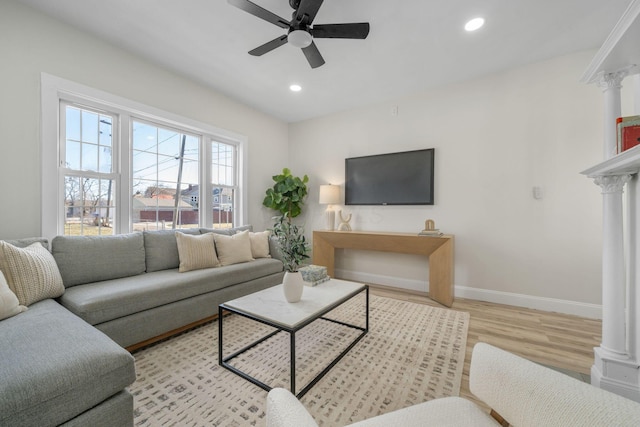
{"type": "Point", "coordinates": [611, 83]}
{"type": "Point", "coordinates": [614, 335]}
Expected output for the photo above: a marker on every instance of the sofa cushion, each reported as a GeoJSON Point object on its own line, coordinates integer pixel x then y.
{"type": "Point", "coordinates": [56, 367]}
{"type": "Point", "coordinates": [31, 272]}
{"type": "Point", "coordinates": [161, 248]}
{"type": "Point", "coordinates": [196, 252]}
{"type": "Point", "coordinates": [103, 301]}
{"type": "Point", "coordinates": [234, 249]}
{"type": "Point", "coordinates": [260, 244]}
{"type": "Point", "coordinates": [9, 304]}
{"type": "Point", "coordinates": [227, 231]}
{"type": "Point", "coordinates": [28, 241]}
{"type": "Point", "coordinates": [86, 259]}
{"type": "Point", "coordinates": [223, 231]}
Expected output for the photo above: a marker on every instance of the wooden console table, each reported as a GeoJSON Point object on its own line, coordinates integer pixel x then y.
{"type": "Point", "coordinates": [438, 250]}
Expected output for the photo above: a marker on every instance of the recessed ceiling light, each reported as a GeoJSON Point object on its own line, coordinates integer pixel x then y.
{"type": "Point", "coordinates": [474, 24]}
{"type": "Point", "coordinates": [295, 88]}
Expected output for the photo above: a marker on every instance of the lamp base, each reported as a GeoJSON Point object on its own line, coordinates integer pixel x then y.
{"type": "Point", "coordinates": [330, 218]}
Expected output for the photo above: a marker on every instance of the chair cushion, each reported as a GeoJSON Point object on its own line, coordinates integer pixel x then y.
{"type": "Point", "coordinates": [527, 394]}
{"type": "Point", "coordinates": [444, 412]}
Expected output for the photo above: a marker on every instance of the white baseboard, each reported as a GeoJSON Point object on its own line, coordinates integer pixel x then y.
{"type": "Point", "coordinates": [592, 311]}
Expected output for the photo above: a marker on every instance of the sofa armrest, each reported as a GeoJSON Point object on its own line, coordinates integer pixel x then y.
{"type": "Point", "coordinates": [528, 394]}
{"type": "Point", "coordinates": [284, 410]}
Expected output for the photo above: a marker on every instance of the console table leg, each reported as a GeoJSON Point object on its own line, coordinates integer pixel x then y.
{"type": "Point", "coordinates": [441, 274]}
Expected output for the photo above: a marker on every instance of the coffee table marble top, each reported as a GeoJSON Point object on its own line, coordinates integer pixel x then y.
{"type": "Point", "coordinates": [270, 304]}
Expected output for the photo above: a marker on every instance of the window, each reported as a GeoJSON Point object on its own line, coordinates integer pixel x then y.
{"type": "Point", "coordinates": [165, 177]}
{"type": "Point", "coordinates": [111, 166]}
{"type": "Point", "coordinates": [89, 181]}
{"type": "Point", "coordinates": [223, 179]}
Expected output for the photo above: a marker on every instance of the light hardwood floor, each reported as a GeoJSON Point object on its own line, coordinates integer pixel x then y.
{"type": "Point", "coordinates": [553, 339]}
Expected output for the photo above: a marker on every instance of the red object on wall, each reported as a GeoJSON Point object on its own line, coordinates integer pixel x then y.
{"type": "Point", "coordinates": [628, 132]}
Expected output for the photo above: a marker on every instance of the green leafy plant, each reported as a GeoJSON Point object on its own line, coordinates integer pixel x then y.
{"type": "Point", "coordinates": [287, 197]}
{"type": "Point", "coordinates": [291, 241]}
{"type": "Point", "coordinates": [287, 194]}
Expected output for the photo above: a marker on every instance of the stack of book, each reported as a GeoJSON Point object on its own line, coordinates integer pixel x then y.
{"type": "Point", "coordinates": [628, 132]}
{"type": "Point", "coordinates": [314, 274]}
{"type": "Point", "coordinates": [435, 232]}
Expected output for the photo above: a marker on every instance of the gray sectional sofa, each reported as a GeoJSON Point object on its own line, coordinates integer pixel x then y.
{"type": "Point", "coordinates": [64, 361]}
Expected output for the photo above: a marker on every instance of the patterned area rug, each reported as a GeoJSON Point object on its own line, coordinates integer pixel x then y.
{"type": "Point", "coordinates": [411, 354]}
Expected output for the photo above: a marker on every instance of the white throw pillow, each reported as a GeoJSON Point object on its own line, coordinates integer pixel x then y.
{"type": "Point", "coordinates": [234, 249]}
{"type": "Point", "coordinates": [31, 272]}
{"type": "Point", "coordinates": [196, 251]}
{"type": "Point", "coordinates": [9, 305]}
{"type": "Point", "coordinates": [260, 244]}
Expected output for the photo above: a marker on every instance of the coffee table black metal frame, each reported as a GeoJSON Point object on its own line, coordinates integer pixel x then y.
{"type": "Point", "coordinates": [224, 361]}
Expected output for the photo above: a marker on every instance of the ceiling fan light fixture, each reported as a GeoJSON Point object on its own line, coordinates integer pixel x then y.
{"type": "Point", "coordinates": [474, 24]}
{"type": "Point", "coordinates": [299, 38]}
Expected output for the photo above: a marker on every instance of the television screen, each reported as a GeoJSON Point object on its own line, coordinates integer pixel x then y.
{"type": "Point", "coordinates": [404, 178]}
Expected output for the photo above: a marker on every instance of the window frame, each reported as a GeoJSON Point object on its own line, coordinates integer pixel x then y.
{"type": "Point", "coordinates": [55, 90]}
{"type": "Point", "coordinates": [85, 174]}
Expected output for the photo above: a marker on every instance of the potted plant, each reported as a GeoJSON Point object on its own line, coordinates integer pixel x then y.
{"type": "Point", "coordinates": [287, 197]}
{"type": "Point", "coordinates": [287, 194]}
{"type": "Point", "coordinates": [291, 242]}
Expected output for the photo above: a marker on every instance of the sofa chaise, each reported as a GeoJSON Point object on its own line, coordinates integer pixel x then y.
{"type": "Point", "coordinates": [520, 392]}
{"type": "Point", "coordinates": [64, 358]}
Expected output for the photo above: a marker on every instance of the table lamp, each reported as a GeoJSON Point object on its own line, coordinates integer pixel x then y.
{"type": "Point", "coordinates": [330, 195]}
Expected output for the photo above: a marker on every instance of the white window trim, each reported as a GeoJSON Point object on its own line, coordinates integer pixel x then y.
{"type": "Point", "coordinates": [54, 89]}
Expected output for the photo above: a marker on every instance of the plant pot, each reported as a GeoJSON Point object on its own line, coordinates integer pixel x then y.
{"type": "Point", "coordinates": [293, 284]}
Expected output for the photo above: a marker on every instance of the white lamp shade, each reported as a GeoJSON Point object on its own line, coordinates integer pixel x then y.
{"type": "Point", "coordinates": [329, 194]}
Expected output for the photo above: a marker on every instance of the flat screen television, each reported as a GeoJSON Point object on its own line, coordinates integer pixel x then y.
{"type": "Point", "coordinates": [404, 178]}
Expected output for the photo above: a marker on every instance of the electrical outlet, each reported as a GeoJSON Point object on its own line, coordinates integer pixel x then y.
{"type": "Point", "coordinates": [537, 193]}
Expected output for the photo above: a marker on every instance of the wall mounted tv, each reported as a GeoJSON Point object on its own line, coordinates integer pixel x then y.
{"type": "Point", "coordinates": [404, 178]}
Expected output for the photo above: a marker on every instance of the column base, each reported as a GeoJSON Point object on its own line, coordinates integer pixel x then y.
{"type": "Point", "coordinates": [617, 375]}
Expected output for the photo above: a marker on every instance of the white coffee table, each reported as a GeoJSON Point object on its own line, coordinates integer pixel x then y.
{"type": "Point", "coordinates": [270, 307]}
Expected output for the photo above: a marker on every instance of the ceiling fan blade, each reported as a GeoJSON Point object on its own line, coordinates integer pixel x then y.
{"type": "Point", "coordinates": [313, 55]}
{"type": "Point", "coordinates": [309, 8]}
{"type": "Point", "coordinates": [269, 46]}
{"type": "Point", "coordinates": [341, 31]}
{"type": "Point", "coordinates": [261, 13]}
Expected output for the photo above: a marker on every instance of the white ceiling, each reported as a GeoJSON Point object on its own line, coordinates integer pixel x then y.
{"type": "Point", "coordinates": [413, 45]}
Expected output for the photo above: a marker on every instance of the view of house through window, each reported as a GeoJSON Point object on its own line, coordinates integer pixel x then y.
{"type": "Point", "coordinates": [162, 166]}
{"type": "Point", "coordinates": [223, 181]}
{"type": "Point", "coordinates": [165, 178]}
{"type": "Point", "coordinates": [89, 182]}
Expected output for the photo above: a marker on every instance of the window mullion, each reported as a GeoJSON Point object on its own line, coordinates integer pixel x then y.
{"type": "Point", "coordinates": [206, 189]}
{"type": "Point", "coordinates": [123, 169]}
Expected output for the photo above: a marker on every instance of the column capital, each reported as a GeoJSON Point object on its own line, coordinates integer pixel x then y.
{"type": "Point", "coordinates": [608, 81]}
{"type": "Point", "coordinates": [611, 184]}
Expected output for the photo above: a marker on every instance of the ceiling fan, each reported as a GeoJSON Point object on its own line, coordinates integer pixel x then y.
{"type": "Point", "coordinates": [301, 30]}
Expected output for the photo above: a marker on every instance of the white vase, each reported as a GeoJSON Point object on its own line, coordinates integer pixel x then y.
{"type": "Point", "coordinates": [293, 284]}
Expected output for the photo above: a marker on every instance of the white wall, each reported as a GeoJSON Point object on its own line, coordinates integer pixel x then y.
{"type": "Point", "coordinates": [31, 43]}
{"type": "Point", "coordinates": [495, 138]}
